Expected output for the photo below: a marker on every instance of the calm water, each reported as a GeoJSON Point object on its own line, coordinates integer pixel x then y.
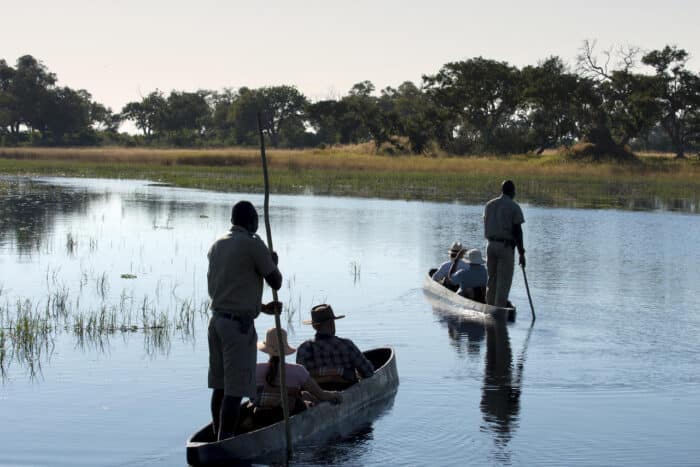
{"type": "Point", "coordinates": [609, 374]}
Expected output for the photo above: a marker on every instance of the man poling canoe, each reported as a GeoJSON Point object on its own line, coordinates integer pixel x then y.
{"type": "Point", "coordinates": [503, 219]}
{"type": "Point", "coordinates": [238, 263]}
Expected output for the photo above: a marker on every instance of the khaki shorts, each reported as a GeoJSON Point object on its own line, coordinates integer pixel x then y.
{"type": "Point", "coordinates": [232, 357]}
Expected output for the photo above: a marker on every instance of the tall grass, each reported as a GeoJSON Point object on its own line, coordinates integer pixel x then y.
{"type": "Point", "coordinates": [550, 179]}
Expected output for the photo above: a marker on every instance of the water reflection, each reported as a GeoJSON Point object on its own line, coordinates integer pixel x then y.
{"type": "Point", "coordinates": [29, 208]}
{"type": "Point", "coordinates": [500, 399]}
{"type": "Point", "coordinates": [466, 335]}
{"type": "Point", "coordinates": [502, 384]}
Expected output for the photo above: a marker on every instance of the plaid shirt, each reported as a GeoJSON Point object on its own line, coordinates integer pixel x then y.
{"type": "Point", "coordinates": [326, 355]}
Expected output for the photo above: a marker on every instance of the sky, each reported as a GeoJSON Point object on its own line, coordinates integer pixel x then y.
{"type": "Point", "coordinates": [120, 50]}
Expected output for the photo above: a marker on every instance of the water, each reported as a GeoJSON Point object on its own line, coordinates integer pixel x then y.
{"type": "Point", "coordinates": [609, 374]}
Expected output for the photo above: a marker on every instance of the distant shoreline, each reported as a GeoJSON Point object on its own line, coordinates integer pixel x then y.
{"type": "Point", "coordinates": [654, 182]}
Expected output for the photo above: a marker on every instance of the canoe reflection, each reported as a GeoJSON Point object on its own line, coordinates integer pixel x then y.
{"type": "Point", "coordinates": [465, 335]}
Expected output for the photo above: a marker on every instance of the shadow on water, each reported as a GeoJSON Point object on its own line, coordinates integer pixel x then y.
{"type": "Point", "coordinates": [502, 385]}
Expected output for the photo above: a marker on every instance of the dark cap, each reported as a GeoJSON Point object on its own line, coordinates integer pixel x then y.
{"type": "Point", "coordinates": [321, 314]}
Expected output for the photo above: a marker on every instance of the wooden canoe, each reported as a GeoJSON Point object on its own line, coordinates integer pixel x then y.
{"type": "Point", "coordinates": [456, 304]}
{"type": "Point", "coordinates": [317, 424]}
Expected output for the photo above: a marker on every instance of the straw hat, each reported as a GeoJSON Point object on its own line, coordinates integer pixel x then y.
{"type": "Point", "coordinates": [474, 256]}
{"type": "Point", "coordinates": [322, 313]}
{"type": "Point", "coordinates": [269, 345]}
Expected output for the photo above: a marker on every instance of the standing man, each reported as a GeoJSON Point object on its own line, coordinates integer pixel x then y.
{"type": "Point", "coordinates": [502, 228]}
{"type": "Point", "coordinates": [238, 262]}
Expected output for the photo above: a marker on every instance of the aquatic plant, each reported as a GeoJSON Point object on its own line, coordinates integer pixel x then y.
{"type": "Point", "coordinates": [355, 271]}
{"type": "Point", "coordinates": [28, 328]}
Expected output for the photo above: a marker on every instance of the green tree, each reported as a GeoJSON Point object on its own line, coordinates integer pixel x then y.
{"type": "Point", "coordinates": [678, 96]}
{"type": "Point", "coordinates": [281, 110]}
{"type": "Point", "coordinates": [186, 117]}
{"type": "Point", "coordinates": [31, 86]}
{"type": "Point", "coordinates": [148, 115]}
{"type": "Point", "coordinates": [67, 117]}
{"type": "Point", "coordinates": [482, 94]}
{"type": "Point", "coordinates": [623, 104]}
{"type": "Point", "coordinates": [549, 102]}
{"type": "Point", "coordinates": [9, 117]}
{"type": "Point", "coordinates": [416, 117]}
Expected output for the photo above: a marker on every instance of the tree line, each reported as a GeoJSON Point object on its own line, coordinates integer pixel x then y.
{"type": "Point", "coordinates": [609, 100]}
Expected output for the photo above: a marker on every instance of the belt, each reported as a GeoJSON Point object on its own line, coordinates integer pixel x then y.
{"type": "Point", "coordinates": [244, 322]}
{"type": "Point", "coordinates": [502, 240]}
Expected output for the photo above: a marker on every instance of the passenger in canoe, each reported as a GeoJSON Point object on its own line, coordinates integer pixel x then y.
{"type": "Point", "coordinates": [267, 404]}
{"type": "Point", "coordinates": [441, 274]}
{"type": "Point", "coordinates": [472, 280]}
{"type": "Point", "coordinates": [330, 359]}
{"type": "Point", "coordinates": [238, 262]}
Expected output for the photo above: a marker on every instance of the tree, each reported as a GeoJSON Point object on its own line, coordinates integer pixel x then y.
{"type": "Point", "coordinates": [626, 103]}
{"type": "Point", "coordinates": [548, 99]}
{"type": "Point", "coordinates": [67, 116]}
{"type": "Point", "coordinates": [325, 119]}
{"type": "Point", "coordinates": [148, 115]}
{"type": "Point", "coordinates": [103, 119]}
{"type": "Point", "coordinates": [186, 116]}
{"type": "Point", "coordinates": [281, 108]}
{"type": "Point", "coordinates": [415, 115]}
{"type": "Point", "coordinates": [678, 96]}
{"type": "Point", "coordinates": [31, 85]}
{"type": "Point", "coordinates": [483, 94]}
{"type": "Point", "coordinates": [9, 118]}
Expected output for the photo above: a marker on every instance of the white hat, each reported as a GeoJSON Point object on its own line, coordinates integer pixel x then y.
{"type": "Point", "coordinates": [474, 256]}
{"type": "Point", "coordinates": [269, 345]}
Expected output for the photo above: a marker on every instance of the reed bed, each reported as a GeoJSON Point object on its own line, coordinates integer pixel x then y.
{"type": "Point", "coordinates": [30, 326]}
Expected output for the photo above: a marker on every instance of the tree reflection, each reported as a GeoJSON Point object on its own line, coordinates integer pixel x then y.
{"type": "Point", "coordinates": [29, 208]}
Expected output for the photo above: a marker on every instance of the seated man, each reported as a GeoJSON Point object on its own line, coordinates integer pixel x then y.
{"type": "Point", "coordinates": [441, 273]}
{"type": "Point", "coordinates": [331, 359]}
{"type": "Point", "coordinates": [472, 281]}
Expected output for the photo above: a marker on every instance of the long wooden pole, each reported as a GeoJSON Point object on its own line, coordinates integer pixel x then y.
{"type": "Point", "coordinates": [529, 297]}
{"type": "Point", "coordinates": [278, 325]}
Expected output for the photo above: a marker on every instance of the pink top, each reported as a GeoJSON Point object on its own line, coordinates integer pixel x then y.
{"type": "Point", "coordinates": [296, 375]}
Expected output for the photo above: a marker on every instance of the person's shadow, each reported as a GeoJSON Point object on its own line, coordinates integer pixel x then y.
{"type": "Point", "coordinates": [501, 391]}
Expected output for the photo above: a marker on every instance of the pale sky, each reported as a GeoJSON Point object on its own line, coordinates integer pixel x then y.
{"type": "Point", "coordinates": [121, 50]}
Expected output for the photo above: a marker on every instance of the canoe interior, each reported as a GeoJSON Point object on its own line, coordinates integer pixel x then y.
{"type": "Point", "coordinates": [362, 403]}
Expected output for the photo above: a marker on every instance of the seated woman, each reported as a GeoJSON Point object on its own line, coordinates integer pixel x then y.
{"type": "Point", "coordinates": [268, 403]}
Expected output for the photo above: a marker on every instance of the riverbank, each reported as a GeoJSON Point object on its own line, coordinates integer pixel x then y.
{"type": "Point", "coordinates": [550, 180]}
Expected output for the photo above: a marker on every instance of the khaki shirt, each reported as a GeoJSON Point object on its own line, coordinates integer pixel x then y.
{"type": "Point", "coordinates": [238, 262]}
{"type": "Point", "coordinates": [500, 215]}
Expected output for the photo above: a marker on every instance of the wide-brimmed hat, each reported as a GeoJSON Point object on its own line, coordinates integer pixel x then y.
{"type": "Point", "coordinates": [455, 248]}
{"type": "Point", "coordinates": [474, 256]}
{"type": "Point", "coordinates": [322, 313]}
{"type": "Point", "coordinates": [269, 345]}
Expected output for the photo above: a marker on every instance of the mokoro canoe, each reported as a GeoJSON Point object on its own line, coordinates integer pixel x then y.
{"type": "Point", "coordinates": [317, 424]}
{"type": "Point", "coordinates": [463, 305]}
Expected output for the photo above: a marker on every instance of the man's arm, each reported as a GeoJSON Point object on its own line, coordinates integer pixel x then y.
{"type": "Point", "coordinates": [518, 235]}
{"type": "Point", "coordinates": [363, 366]}
{"type": "Point", "coordinates": [274, 279]}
